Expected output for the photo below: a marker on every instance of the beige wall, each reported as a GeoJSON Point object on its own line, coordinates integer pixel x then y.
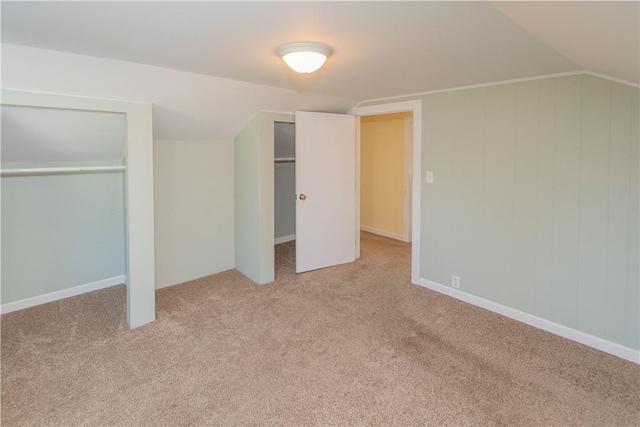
{"type": "Point", "coordinates": [382, 173]}
{"type": "Point", "coordinates": [193, 209]}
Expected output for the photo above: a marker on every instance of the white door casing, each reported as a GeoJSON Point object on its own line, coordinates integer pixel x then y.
{"type": "Point", "coordinates": [325, 189]}
{"type": "Point", "coordinates": [416, 188]}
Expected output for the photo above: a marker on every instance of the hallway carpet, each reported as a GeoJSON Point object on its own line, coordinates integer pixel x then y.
{"type": "Point", "coordinates": [350, 345]}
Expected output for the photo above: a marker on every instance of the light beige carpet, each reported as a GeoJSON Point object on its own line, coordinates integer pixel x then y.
{"type": "Point", "coordinates": [349, 345]}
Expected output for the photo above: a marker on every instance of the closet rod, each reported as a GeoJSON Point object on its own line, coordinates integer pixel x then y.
{"type": "Point", "coordinates": [33, 171]}
{"type": "Point", "coordinates": [285, 159]}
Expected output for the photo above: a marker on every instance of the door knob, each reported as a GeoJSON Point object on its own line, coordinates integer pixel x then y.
{"type": "Point", "coordinates": [303, 197]}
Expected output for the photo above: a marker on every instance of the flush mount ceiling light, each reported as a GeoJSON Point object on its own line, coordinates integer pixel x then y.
{"type": "Point", "coordinates": [304, 57]}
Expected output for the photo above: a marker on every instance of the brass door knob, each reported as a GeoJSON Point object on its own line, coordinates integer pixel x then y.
{"type": "Point", "coordinates": [303, 197]}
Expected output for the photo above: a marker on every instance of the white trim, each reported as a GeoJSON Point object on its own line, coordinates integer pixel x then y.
{"type": "Point", "coordinates": [285, 239]}
{"type": "Point", "coordinates": [383, 233]}
{"type": "Point", "coordinates": [58, 295]}
{"type": "Point", "coordinates": [535, 321]}
{"type": "Point", "coordinates": [416, 107]}
{"type": "Point", "coordinates": [37, 171]}
{"type": "Point", "coordinates": [407, 171]}
{"type": "Point", "coordinates": [358, 179]}
{"type": "Point", "coordinates": [501, 82]}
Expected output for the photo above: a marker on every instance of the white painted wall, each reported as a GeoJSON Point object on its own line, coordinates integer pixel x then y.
{"type": "Point", "coordinates": [193, 184]}
{"type": "Point", "coordinates": [60, 231]}
{"type": "Point", "coordinates": [246, 177]}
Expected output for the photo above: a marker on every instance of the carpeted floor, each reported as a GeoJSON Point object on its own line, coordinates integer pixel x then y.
{"type": "Point", "coordinates": [349, 345]}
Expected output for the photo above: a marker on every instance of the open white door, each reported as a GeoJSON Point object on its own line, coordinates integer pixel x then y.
{"type": "Point", "coordinates": [325, 188]}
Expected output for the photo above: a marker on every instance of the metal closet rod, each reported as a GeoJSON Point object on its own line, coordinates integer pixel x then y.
{"type": "Point", "coordinates": [285, 159]}
{"type": "Point", "coordinates": [37, 171]}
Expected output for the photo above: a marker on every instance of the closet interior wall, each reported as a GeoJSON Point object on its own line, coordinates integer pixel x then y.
{"type": "Point", "coordinates": [63, 203]}
{"type": "Point", "coordinates": [284, 182]}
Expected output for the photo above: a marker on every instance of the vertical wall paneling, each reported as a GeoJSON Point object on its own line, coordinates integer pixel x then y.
{"type": "Point", "coordinates": [535, 201]}
{"type": "Point", "coordinates": [544, 198]}
{"type": "Point", "coordinates": [453, 240]}
{"type": "Point", "coordinates": [499, 192]}
{"type": "Point", "coordinates": [632, 336]}
{"type": "Point", "coordinates": [471, 168]}
{"type": "Point", "coordinates": [566, 203]}
{"type": "Point", "coordinates": [525, 208]}
{"type": "Point", "coordinates": [594, 186]}
{"type": "Point", "coordinates": [617, 247]}
{"type": "Point", "coordinates": [437, 155]}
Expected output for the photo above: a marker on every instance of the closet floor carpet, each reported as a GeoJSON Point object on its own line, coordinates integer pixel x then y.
{"type": "Point", "coordinates": [348, 345]}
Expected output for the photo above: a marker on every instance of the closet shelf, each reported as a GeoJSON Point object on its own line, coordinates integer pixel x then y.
{"type": "Point", "coordinates": [39, 171]}
{"type": "Point", "coordinates": [285, 159]}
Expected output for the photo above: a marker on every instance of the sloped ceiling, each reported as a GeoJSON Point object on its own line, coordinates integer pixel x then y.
{"type": "Point", "coordinates": [381, 48]}
{"type": "Point", "coordinates": [228, 70]}
{"type": "Point", "coordinates": [603, 37]}
{"type": "Point", "coordinates": [45, 137]}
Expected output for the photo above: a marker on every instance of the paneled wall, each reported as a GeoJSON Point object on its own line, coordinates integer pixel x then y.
{"type": "Point", "coordinates": [535, 199]}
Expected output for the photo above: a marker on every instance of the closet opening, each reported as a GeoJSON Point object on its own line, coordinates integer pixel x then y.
{"type": "Point", "coordinates": [77, 196]}
{"type": "Point", "coordinates": [284, 197]}
{"type": "Point", "coordinates": [63, 203]}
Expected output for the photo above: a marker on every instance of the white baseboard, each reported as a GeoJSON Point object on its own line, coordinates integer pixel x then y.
{"type": "Point", "coordinates": [65, 293]}
{"type": "Point", "coordinates": [284, 239]}
{"type": "Point", "coordinates": [382, 233]}
{"type": "Point", "coordinates": [538, 322]}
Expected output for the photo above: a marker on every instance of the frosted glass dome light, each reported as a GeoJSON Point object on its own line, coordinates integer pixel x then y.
{"type": "Point", "coordinates": [304, 57]}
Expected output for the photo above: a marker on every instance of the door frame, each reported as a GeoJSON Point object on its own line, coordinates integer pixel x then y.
{"type": "Point", "coordinates": [414, 106]}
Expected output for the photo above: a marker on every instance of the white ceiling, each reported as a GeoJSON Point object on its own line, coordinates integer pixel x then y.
{"type": "Point", "coordinates": [381, 48]}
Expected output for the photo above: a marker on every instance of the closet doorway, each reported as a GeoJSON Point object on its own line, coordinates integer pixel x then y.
{"type": "Point", "coordinates": [284, 196]}
{"type": "Point", "coordinates": [412, 189]}
{"type": "Point", "coordinates": [138, 184]}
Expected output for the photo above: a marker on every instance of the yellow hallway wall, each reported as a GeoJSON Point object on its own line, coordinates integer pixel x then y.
{"type": "Point", "coordinates": [382, 172]}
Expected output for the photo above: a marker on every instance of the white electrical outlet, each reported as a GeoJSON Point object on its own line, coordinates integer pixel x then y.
{"type": "Point", "coordinates": [429, 177]}
{"type": "Point", "coordinates": [455, 282]}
